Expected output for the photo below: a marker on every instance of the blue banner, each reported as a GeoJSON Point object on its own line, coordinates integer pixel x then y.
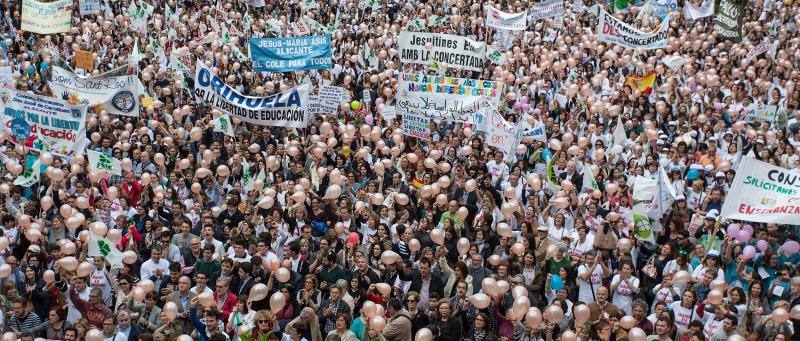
{"type": "Point", "coordinates": [290, 54]}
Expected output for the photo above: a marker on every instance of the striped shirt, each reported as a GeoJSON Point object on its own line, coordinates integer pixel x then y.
{"type": "Point", "coordinates": [23, 325]}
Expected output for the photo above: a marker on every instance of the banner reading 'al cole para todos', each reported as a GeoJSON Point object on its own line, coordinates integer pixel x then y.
{"type": "Point", "coordinates": [445, 48]}
{"type": "Point", "coordinates": [611, 30]}
{"type": "Point", "coordinates": [764, 193]}
{"type": "Point", "coordinates": [285, 109]}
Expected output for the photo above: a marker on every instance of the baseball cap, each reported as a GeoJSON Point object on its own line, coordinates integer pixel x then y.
{"type": "Point", "coordinates": [34, 249]}
{"type": "Point", "coordinates": [713, 253]}
{"type": "Point", "coordinates": [692, 174]}
{"type": "Point", "coordinates": [720, 175]}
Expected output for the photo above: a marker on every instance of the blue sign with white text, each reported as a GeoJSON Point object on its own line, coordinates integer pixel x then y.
{"type": "Point", "coordinates": [290, 54]}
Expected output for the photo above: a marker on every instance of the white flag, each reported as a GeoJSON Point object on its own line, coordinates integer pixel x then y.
{"type": "Point", "coordinates": [694, 12]}
{"type": "Point", "coordinates": [102, 247]}
{"type": "Point", "coordinates": [620, 139]}
{"type": "Point", "coordinates": [589, 182]}
{"type": "Point", "coordinates": [102, 162]}
{"type": "Point", "coordinates": [224, 125]}
{"type": "Point", "coordinates": [30, 176]}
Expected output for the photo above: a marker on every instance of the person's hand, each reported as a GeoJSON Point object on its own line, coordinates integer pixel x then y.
{"type": "Point", "coordinates": [326, 312]}
{"type": "Point", "coordinates": [142, 321]}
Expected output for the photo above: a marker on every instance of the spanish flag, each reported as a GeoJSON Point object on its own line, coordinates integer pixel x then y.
{"type": "Point", "coordinates": [643, 84]}
{"type": "Point", "coordinates": [417, 183]}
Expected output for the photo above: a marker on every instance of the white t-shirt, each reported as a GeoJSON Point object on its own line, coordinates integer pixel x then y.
{"type": "Point", "coordinates": [683, 316]}
{"type": "Point", "coordinates": [149, 268]}
{"type": "Point", "coordinates": [577, 248]}
{"type": "Point", "coordinates": [700, 272]}
{"type": "Point", "coordinates": [623, 294]}
{"type": "Point", "coordinates": [664, 295]}
{"type": "Point", "coordinates": [587, 292]}
{"type": "Point", "coordinates": [100, 279]}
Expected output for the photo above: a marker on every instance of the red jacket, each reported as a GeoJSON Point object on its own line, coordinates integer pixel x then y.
{"type": "Point", "coordinates": [227, 306]}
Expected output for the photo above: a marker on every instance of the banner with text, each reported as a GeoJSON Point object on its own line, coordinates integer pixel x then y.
{"type": "Point", "coordinates": [117, 95]}
{"type": "Point", "coordinates": [453, 50]}
{"type": "Point", "coordinates": [44, 123]}
{"type": "Point", "coordinates": [285, 109]}
{"type": "Point", "coordinates": [417, 126]}
{"type": "Point", "coordinates": [506, 21]}
{"type": "Point", "coordinates": [502, 134]}
{"type": "Point", "coordinates": [89, 7]}
{"type": "Point", "coordinates": [291, 53]}
{"type": "Point", "coordinates": [728, 20]}
{"type": "Point", "coordinates": [764, 193]}
{"type": "Point", "coordinates": [547, 9]}
{"type": "Point", "coordinates": [445, 98]}
{"type": "Point", "coordinates": [46, 17]}
{"type": "Point", "coordinates": [612, 30]}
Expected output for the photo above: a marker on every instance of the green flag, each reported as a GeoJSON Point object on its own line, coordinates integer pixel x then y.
{"type": "Point", "coordinates": [102, 162]}
{"type": "Point", "coordinates": [552, 177]}
{"type": "Point", "coordinates": [642, 226]}
{"type": "Point", "coordinates": [224, 125]}
{"type": "Point", "coordinates": [30, 176]}
{"type": "Point", "coordinates": [102, 247]}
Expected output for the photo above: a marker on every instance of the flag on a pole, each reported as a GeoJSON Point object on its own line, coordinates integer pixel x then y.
{"type": "Point", "coordinates": [223, 125]}
{"type": "Point", "coordinates": [31, 175]}
{"type": "Point", "coordinates": [102, 162]}
{"type": "Point", "coordinates": [552, 177]}
{"type": "Point", "coordinates": [620, 138]}
{"type": "Point", "coordinates": [589, 181]}
{"type": "Point", "coordinates": [642, 225]}
{"type": "Point", "coordinates": [102, 247]}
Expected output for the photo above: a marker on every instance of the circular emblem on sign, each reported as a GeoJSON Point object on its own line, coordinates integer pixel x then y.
{"type": "Point", "coordinates": [20, 129]}
{"type": "Point", "coordinates": [124, 101]}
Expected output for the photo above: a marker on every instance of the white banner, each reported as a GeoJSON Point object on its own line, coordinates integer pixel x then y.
{"type": "Point", "coordinates": [547, 9]}
{"type": "Point", "coordinates": [506, 21]}
{"type": "Point", "coordinates": [611, 30]}
{"type": "Point", "coordinates": [117, 95]}
{"type": "Point", "coordinates": [46, 17]}
{"type": "Point", "coordinates": [44, 123]}
{"type": "Point", "coordinates": [502, 134]}
{"type": "Point", "coordinates": [334, 94]}
{"type": "Point", "coordinates": [89, 7]}
{"type": "Point", "coordinates": [319, 106]}
{"type": "Point", "coordinates": [7, 77]}
{"type": "Point", "coordinates": [286, 109]}
{"type": "Point", "coordinates": [763, 193]}
{"type": "Point", "coordinates": [445, 98]}
{"type": "Point", "coordinates": [694, 12]}
{"type": "Point", "coordinates": [450, 49]}
{"type": "Point", "coordinates": [758, 50]}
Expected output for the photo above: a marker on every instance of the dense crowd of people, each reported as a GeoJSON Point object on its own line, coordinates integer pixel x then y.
{"type": "Point", "coordinates": [353, 231]}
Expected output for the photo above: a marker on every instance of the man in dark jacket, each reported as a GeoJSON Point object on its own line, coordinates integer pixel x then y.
{"type": "Point", "coordinates": [424, 283]}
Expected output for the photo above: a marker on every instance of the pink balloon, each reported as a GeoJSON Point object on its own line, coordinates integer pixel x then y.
{"type": "Point", "coordinates": [742, 236]}
{"type": "Point", "coordinates": [276, 302]}
{"type": "Point", "coordinates": [749, 252]}
{"type": "Point", "coordinates": [762, 245]}
{"type": "Point", "coordinates": [283, 275]}
{"type": "Point", "coordinates": [791, 247]}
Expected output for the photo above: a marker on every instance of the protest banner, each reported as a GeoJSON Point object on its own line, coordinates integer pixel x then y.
{"type": "Point", "coordinates": [44, 123]}
{"type": "Point", "coordinates": [320, 106]}
{"type": "Point", "coordinates": [694, 12]}
{"type": "Point", "coordinates": [290, 54]}
{"type": "Point", "coordinates": [547, 9]}
{"type": "Point", "coordinates": [6, 77]}
{"type": "Point", "coordinates": [758, 50]}
{"type": "Point", "coordinates": [89, 7]}
{"type": "Point", "coordinates": [761, 192]}
{"type": "Point", "coordinates": [506, 21]}
{"type": "Point", "coordinates": [285, 109]}
{"type": "Point", "coordinates": [118, 95]}
{"type": "Point", "coordinates": [417, 126]}
{"type": "Point", "coordinates": [46, 17]}
{"type": "Point", "coordinates": [334, 94]}
{"type": "Point", "coordinates": [255, 3]}
{"type": "Point", "coordinates": [611, 30]}
{"type": "Point", "coordinates": [453, 50]}
{"type": "Point", "coordinates": [728, 20]}
{"type": "Point", "coordinates": [502, 134]}
{"type": "Point", "coordinates": [389, 112]}
{"type": "Point", "coordinates": [760, 113]}
{"type": "Point", "coordinates": [660, 8]}
{"type": "Point", "coordinates": [445, 98]}
{"type": "Point", "coordinates": [84, 60]}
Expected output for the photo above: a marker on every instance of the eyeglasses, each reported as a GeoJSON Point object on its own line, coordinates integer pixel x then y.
{"type": "Point", "coordinates": [123, 283]}
{"type": "Point", "coordinates": [263, 321]}
{"type": "Point", "coordinates": [411, 301]}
